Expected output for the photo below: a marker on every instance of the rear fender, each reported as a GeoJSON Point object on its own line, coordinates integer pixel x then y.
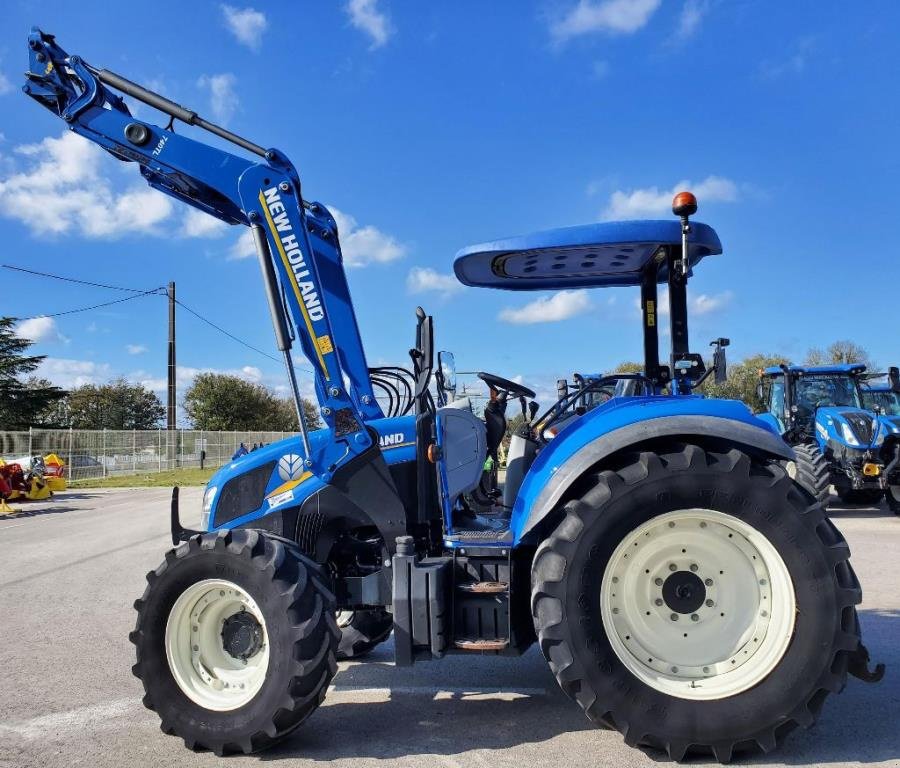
{"type": "Point", "coordinates": [624, 422]}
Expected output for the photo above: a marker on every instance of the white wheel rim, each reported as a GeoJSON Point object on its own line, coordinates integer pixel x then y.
{"type": "Point", "coordinates": [700, 654]}
{"type": "Point", "coordinates": [202, 667]}
{"type": "Point", "coordinates": [894, 490]}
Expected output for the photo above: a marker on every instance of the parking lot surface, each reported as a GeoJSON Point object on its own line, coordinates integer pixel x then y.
{"type": "Point", "coordinates": [71, 567]}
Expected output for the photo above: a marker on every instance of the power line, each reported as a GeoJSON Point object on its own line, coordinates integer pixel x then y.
{"type": "Point", "coordinates": [137, 294]}
{"type": "Point", "coordinates": [222, 330]}
{"type": "Point", "coordinates": [154, 292]}
{"type": "Point", "coordinates": [73, 279]}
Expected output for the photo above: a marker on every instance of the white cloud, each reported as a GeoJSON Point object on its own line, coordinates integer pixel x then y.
{"type": "Point", "coordinates": [196, 223]}
{"type": "Point", "coordinates": [610, 16]}
{"type": "Point", "coordinates": [702, 304]}
{"type": "Point", "coordinates": [366, 17]}
{"type": "Point", "coordinates": [243, 247]}
{"type": "Point", "coordinates": [186, 374]}
{"type": "Point", "coordinates": [793, 64]}
{"type": "Point", "coordinates": [246, 24]}
{"type": "Point", "coordinates": [424, 279]}
{"type": "Point", "coordinates": [653, 201]}
{"type": "Point", "coordinates": [223, 101]}
{"type": "Point", "coordinates": [40, 329]}
{"type": "Point", "coordinates": [5, 85]}
{"type": "Point", "coordinates": [63, 191]}
{"type": "Point", "coordinates": [135, 349]}
{"type": "Point", "coordinates": [692, 13]}
{"type": "Point", "coordinates": [364, 245]}
{"type": "Point", "coordinates": [548, 309]}
{"type": "Point", "coordinates": [705, 304]}
{"type": "Point", "coordinates": [67, 373]}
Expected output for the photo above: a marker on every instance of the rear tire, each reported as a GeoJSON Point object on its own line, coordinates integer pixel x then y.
{"type": "Point", "coordinates": [662, 707]}
{"type": "Point", "coordinates": [813, 473]}
{"type": "Point", "coordinates": [863, 496]}
{"type": "Point", "coordinates": [362, 630]}
{"type": "Point", "coordinates": [270, 602]}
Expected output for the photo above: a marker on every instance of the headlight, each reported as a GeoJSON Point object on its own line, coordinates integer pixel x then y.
{"type": "Point", "coordinates": [849, 436]}
{"type": "Point", "coordinates": [208, 497]}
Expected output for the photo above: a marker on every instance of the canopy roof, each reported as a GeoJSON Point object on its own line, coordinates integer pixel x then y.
{"type": "Point", "coordinates": [848, 368]}
{"type": "Point", "coordinates": [594, 255]}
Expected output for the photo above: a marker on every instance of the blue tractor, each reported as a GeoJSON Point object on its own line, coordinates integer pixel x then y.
{"type": "Point", "coordinates": [683, 589]}
{"type": "Point", "coordinates": [837, 441]}
{"type": "Point", "coordinates": [881, 394]}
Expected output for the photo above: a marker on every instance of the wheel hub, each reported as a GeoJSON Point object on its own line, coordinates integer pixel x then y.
{"type": "Point", "coordinates": [683, 592]}
{"type": "Point", "coordinates": [242, 635]}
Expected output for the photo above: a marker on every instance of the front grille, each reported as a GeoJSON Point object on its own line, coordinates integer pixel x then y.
{"type": "Point", "coordinates": [863, 425]}
{"type": "Point", "coordinates": [243, 494]}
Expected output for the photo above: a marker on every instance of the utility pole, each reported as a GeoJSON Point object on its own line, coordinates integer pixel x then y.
{"type": "Point", "coordinates": [170, 404]}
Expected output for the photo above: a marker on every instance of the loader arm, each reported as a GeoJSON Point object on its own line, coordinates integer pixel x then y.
{"type": "Point", "coordinates": [297, 242]}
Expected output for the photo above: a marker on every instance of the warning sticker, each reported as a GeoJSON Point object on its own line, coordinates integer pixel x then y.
{"type": "Point", "coordinates": [324, 343]}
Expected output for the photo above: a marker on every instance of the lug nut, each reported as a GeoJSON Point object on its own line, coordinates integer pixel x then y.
{"type": "Point", "coordinates": [658, 582]}
{"type": "Point", "coordinates": [708, 582]}
{"type": "Point", "coordinates": [673, 567]}
{"type": "Point", "coordinates": [658, 601]}
{"type": "Point", "coordinates": [694, 567]}
{"type": "Point", "coordinates": [709, 603]}
{"type": "Point", "coordinates": [674, 617]}
{"type": "Point", "coordinates": [695, 617]}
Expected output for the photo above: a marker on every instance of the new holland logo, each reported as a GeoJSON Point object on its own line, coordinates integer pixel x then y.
{"type": "Point", "coordinates": [393, 439]}
{"type": "Point", "coordinates": [290, 247]}
{"type": "Point", "coordinates": [290, 467]}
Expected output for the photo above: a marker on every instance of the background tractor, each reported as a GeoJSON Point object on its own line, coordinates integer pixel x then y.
{"type": "Point", "coordinates": [820, 411]}
{"type": "Point", "coordinates": [683, 589]}
{"type": "Point", "coordinates": [881, 395]}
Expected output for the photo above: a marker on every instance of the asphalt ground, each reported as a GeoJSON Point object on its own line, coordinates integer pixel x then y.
{"type": "Point", "coordinates": [70, 569]}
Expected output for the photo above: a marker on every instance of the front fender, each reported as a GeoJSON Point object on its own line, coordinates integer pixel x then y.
{"type": "Point", "coordinates": [622, 422]}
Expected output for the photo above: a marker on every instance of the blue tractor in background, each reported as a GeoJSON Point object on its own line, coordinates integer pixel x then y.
{"type": "Point", "coordinates": [881, 394]}
{"type": "Point", "coordinates": [820, 411]}
{"type": "Point", "coordinates": [682, 587]}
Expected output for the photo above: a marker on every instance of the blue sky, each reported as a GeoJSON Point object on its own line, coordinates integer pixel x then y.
{"type": "Point", "coordinates": [430, 126]}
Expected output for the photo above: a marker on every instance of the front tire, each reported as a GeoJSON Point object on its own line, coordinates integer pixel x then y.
{"type": "Point", "coordinates": [761, 590]}
{"type": "Point", "coordinates": [813, 473]}
{"type": "Point", "coordinates": [235, 641]}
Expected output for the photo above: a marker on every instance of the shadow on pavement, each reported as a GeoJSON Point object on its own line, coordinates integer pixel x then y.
{"type": "Point", "coordinates": [23, 511]}
{"type": "Point", "coordinates": [856, 727]}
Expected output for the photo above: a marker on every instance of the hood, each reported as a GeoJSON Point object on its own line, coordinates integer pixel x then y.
{"type": "Point", "coordinates": [853, 427]}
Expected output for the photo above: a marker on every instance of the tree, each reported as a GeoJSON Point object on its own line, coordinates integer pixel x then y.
{"type": "Point", "coordinates": [116, 405]}
{"type": "Point", "coordinates": [21, 402]}
{"type": "Point", "coordinates": [217, 401]}
{"type": "Point", "coordinates": [56, 414]}
{"type": "Point", "coordinates": [842, 351]}
{"type": "Point", "coordinates": [743, 380]}
{"type": "Point", "coordinates": [629, 366]}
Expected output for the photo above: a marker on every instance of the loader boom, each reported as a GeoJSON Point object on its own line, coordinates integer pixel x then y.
{"type": "Point", "coordinates": [297, 241]}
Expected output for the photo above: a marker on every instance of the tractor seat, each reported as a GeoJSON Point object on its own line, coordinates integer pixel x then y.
{"type": "Point", "coordinates": [611, 253]}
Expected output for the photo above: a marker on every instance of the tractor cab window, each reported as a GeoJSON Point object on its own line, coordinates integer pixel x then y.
{"type": "Point", "coordinates": [777, 397]}
{"type": "Point", "coordinates": [888, 402]}
{"type": "Point", "coordinates": [826, 391]}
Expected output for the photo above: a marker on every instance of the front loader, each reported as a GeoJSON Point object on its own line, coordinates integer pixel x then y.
{"type": "Point", "coordinates": [684, 590]}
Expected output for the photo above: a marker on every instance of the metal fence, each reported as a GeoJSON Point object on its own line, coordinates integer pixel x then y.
{"type": "Point", "coordinates": [91, 453]}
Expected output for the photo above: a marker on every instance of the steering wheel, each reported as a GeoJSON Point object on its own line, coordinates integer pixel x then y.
{"type": "Point", "coordinates": [498, 382]}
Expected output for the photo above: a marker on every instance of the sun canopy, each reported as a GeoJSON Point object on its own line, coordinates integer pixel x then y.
{"type": "Point", "coordinates": [821, 370]}
{"type": "Point", "coordinates": [593, 255]}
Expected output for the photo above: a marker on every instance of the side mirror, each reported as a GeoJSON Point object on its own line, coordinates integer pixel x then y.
{"type": "Point", "coordinates": [447, 373]}
{"type": "Point", "coordinates": [720, 364]}
{"type": "Point", "coordinates": [562, 388]}
{"type": "Point", "coordinates": [761, 392]}
{"type": "Point", "coordinates": [894, 378]}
